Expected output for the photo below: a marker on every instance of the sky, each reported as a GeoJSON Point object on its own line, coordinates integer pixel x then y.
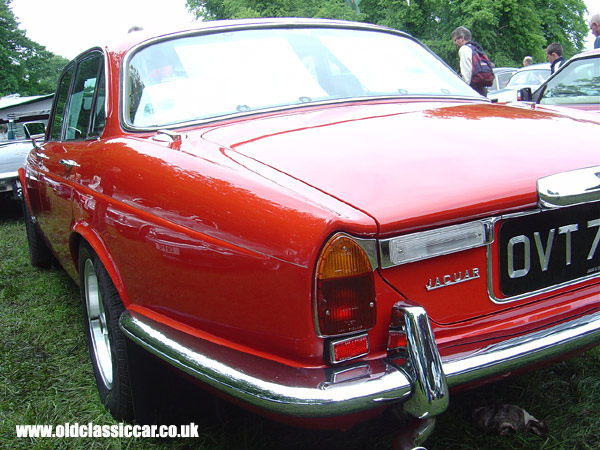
{"type": "Point", "coordinates": [69, 27]}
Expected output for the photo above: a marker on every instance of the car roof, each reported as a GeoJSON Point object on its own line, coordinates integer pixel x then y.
{"type": "Point", "coordinates": [535, 67]}
{"type": "Point", "coordinates": [123, 43]}
{"type": "Point", "coordinates": [587, 53]}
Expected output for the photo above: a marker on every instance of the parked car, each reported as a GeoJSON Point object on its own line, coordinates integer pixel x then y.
{"type": "Point", "coordinates": [529, 76]}
{"type": "Point", "coordinates": [12, 156]}
{"type": "Point", "coordinates": [575, 85]}
{"type": "Point", "coordinates": [287, 215]}
{"type": "Point", "coordinates": [501, 78]}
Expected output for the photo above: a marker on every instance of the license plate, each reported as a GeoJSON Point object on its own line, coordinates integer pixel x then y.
{"type": "Point", "coordinates": [549, 248]}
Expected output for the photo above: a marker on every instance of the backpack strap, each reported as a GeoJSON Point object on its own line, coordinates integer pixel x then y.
{"type": "Point", "coordinates": [475, 46]}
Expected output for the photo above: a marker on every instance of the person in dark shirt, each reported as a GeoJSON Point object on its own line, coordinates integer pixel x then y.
{"type": "Point", "coordinates": [554, 56]}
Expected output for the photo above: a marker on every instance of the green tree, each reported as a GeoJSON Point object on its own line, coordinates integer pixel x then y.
{"type": "Point", "coordinates": [563, 22]}
{"type": "Point", "coordinates": [27, 67]}
{"type": "Point", "coordinates": [508, 30]}
{"type": "Point", "coordinates": [239, 9]}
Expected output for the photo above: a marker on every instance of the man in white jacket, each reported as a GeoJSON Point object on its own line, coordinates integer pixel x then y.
{"type": "Point", "coordinates": [462, 36]}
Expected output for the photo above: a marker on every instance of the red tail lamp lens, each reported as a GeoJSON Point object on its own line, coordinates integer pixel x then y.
{"type": "Point", "coordinates": [398, 320]}
{"type": "Point", "coordinates": [397, 340]}
{"type": "Point", "coordinates": [345, 288]}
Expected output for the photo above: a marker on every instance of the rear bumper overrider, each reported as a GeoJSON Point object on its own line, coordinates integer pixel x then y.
{"type": "Point", "coordinates": [421, 383]}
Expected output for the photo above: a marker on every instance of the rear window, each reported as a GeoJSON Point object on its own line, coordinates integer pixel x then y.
{"type": "Point", "coordinates": [206, 76]}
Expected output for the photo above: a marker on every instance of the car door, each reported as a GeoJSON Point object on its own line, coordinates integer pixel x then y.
{"type": "Point", "coordinates": [77, 121]}
{"type": "Point", "coordinates": [36, 167]}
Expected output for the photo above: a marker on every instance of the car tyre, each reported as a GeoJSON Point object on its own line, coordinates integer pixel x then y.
{"type": "Point", "coordinates": [102, 307]}
{"type": "Point", "coordinates": [39, 253]}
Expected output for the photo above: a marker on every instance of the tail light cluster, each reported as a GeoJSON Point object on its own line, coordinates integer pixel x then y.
{"type": "Point", "coordinates": [345, 288]}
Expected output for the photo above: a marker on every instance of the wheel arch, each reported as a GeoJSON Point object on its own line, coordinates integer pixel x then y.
{"type": "Point", "coordinates": [82, 232]}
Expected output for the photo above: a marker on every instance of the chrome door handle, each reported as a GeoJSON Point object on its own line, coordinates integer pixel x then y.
{"type": "Point", "coordinates": [40, 155]}
{"type": "Point", "coordinates": [69, 163]}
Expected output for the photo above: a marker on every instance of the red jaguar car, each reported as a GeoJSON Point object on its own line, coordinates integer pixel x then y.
{"type": "Point", "coordinates": [317, 219]}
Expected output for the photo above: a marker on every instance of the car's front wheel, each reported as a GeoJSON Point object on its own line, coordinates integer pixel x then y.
{"type": "Point", "coordinates": [102, 307]}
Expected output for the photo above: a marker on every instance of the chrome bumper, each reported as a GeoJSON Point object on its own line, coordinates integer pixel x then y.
{"type": "Point", "coordinates": [9, 181]}
{"type": "Point", "coordinates": [421, 384]}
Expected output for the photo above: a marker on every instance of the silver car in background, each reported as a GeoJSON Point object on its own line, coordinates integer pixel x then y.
{"type": "Point", "coordinates": [530, 76]}
{"type": "Point", "coordinates": [12, 156]}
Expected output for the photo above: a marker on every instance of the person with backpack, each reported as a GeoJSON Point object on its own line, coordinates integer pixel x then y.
{"type": "Point", "coordinates": [475, 67]}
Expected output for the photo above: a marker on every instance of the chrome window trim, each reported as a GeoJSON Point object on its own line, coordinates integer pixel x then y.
{"type": "Point", "coordinates": [267, 110]}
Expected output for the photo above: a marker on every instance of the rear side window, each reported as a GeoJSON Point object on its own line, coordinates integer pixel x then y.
{"type": "Point", "coordinates": [61, 103]}
{"type": "Point", "coordinates": [81, 102]}
{"type": "Point", "coordinates": [99, 118]}
{"type": "Point", "coordinates": [79, 112]}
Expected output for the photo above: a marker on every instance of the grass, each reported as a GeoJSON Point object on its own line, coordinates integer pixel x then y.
{"type": "Point", "coordinates": [46, 378]}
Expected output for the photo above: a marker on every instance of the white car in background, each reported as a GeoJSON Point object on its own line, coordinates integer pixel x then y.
{"type": "Point", "coordinates": [530, 76]}
{"type": "Point", "coordinates": [502, 76]}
